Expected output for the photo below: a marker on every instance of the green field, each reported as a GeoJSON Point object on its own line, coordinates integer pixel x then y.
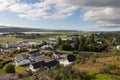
{"type": "Point", "coordinates": [10, 39]}
{"type": "Point", "coordinates": [43, 37]}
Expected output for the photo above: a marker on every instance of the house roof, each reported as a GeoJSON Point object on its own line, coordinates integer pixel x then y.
{"type": "Point", "coordinates": [58, 53]}
{"type": "Point", "coordinates": [42, 63]}
{"type": "Point", "coordinates": [42, 58]}
{"type": "Point", "coordinates": [21, 57]}
{"type": "Point", "coordinates": [51, 63]}
{"type": "Point", "coordinates": [33, 51]}
{"type": "Point", "coordinates": [46, 46]}
{"type": "Point", "coordinates": [71, 58]}
{"type": "Point", "coordinates": [38, 64]}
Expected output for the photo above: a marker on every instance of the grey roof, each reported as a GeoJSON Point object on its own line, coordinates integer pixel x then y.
{"type": "Point", "coordinates": [21, 57]}
{"type": "Point", "coordinates": [58, 53]}
{"type": "Point", "coordinates": [35, 52]}
{"type": "Point", "coordinates": [42, 58]}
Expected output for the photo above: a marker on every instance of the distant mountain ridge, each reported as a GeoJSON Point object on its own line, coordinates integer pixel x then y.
{"type": "Point", "coordinates": [18, 29]}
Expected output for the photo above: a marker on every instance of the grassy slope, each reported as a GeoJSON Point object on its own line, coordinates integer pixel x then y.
{"type": "Point", "coordinates": [88, 66]}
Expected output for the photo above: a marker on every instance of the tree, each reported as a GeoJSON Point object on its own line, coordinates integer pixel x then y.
{"type": "Point", "coordinates": [92, 39]}
{"type": "Point", "coordinates": [9, 68]}
{"type": "Point", "coordinates": [76, 43]}
{"type": "Point", "coordinates": [82, 43]}
{"type": "Point", "coordinates": [82, 39]}
{"type": "Point", "coordinates": [81, 47]}
{"type": "Point", "coordinates": [59, 41]}
{"type": "Point", "coordinates": [65, 46]}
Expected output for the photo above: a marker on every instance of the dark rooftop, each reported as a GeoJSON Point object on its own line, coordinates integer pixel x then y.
{"type": "Point", "coordinates": [71, 58]}
{"type": "Point", "coordinates": [38, 64]}
{"type": "Point", "coordinates": [51, 63]}
{"type": "Point", "coordinates": [58, 53]}
{"type": "Point", "coordinates": [33, 51]}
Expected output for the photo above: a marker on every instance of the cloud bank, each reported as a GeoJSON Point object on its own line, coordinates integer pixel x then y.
{"type": "Point", "coordinates": [101, 11]}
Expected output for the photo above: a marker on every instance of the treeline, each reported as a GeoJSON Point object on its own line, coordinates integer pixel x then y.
{"type": "Point", "coordinates": [82, 43]}
{"type": "Point", "coordinates": [112, 37]}
{"type": "Point", "coordinates": [37, 35]}
{"type": "Point", "coordinates": [28, 36]}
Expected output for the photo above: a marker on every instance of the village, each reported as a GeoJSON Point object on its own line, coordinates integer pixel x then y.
{"type": "Point", "coordinates": [51, 52]}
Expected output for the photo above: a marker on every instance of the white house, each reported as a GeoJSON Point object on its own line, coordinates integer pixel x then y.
{"type": "Point", "coordinates": [21, 60]}
{"type": "Point", "coordinates": [118, 47]}
{"type": "Point", "coordinates": [99, 42]}
{"type": "Point", "coordinates": [70, 59]}
{"type": "Point", "coordinates": [52, 39]}
{"type": "Point", "coordinates": [64, 62]}
{"type": "Point", "coordinates": [46, 47]}
{"type": "Point", "coordinates": [57, 54]}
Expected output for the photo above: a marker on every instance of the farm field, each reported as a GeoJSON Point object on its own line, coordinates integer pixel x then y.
{"type": "Point", "coordinates": [42, 37]}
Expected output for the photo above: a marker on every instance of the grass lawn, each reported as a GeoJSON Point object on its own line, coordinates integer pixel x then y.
{"type": "Point", "coordinates": [10, 39]}
{"type": "Point", "coordinates": [20, 69]}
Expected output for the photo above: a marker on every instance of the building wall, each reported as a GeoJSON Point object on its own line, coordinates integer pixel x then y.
{"type": "Point", "coordinates": [23, 62]}
{"type": "Point", "coordinates": [34, 70]}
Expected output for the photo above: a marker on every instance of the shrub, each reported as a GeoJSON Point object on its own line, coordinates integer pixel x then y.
{"type": "Point", "coordinates": [20, 75]}
{"type": "Point", "coordinates": [9, 68]}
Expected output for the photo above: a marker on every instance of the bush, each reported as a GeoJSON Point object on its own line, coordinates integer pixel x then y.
{"type": "Point", "coordinates": [103, 77]}
{"type": "Point", "coordinates": [6, 62]}
{"type": "Point", "coordinates": [20, 75]}
{"type": "Point", "coordinates": [9, 68]}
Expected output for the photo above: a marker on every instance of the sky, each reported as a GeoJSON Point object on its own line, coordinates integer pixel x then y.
{"type": "Point", "coordinates": [83, 15]}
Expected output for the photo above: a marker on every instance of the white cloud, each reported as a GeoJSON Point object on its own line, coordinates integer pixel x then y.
{"type": "Point", "coordinates": [4, 4]}
{"type": "Point", "coordinates": [42, 9]}
{"type": "Point", "coordinates": [103, 15]}
{"type": "Point", "coordinates": [20, 7]}
{"type": "Point", "coordinates": [101, 11]}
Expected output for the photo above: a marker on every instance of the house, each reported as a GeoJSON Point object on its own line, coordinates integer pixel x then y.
{"type": "Point", "coordinates": [64, 39]}
{"type": "Point", "coordinates": [70, 38]}
{"type": "Point", "coordinates": [34, 52]}
{"type": "Point", "coordinates": [57, 54]}
{"type": "Point", "coordinates": [99, 42]}
{"type": "Point", "coordinates": [21, 60]}
{"type": "Point", "coordinates": [52, 39]}
{"type": "Point", "coordinates": [36, 66]}
{"type": "Point", "coordinates": [46, 47]}
{"type": "Point", "coordinates": [118, 47]}
{"type": "Point", "coordinates": [50, 64]}
{"type": "Point", "coordinates": [45, 62]}
{"type": "Point", "coordinates": [70, 59]}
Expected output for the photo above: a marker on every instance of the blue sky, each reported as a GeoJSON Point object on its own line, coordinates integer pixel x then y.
{"type": "Point", "coordinates": [50, 14]}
